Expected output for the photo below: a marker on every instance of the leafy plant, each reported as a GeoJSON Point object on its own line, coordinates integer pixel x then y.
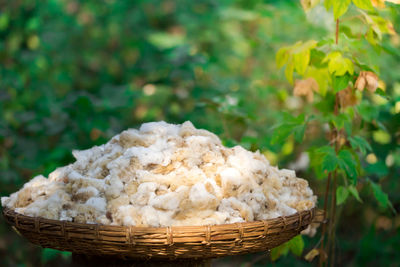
{"type": "Point", "coordinates": [338, 89]}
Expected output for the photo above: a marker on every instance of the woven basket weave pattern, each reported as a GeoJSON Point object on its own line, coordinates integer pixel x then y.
{"type": "Point", "coordinates": [163, 242]}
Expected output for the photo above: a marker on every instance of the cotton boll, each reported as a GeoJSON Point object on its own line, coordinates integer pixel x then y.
{"type": "Point", "coordinates": [114, 186]}
{"type": "Point", "coordinates": [311, 230]}
{"type": "Point", "coordinates": [60, 174]}
{"type": "Point", "coordinates": [301, 205]}
{"type": "Point", "coordinates": [149, 216]}
{"type": "Point", "coordinates": [198, 141]}
{"type": "Point", "coordinates": [86, 214]}
{"type": "Point", "coordinates": [287, 173]}
{"type": "Point", "coordinates": [231, 179]}
{"type": "Point", "coordinates": [162, 175]}
{"type": "Point", "coordinates": [216, 218]}
{"type": "Point", "coordinates": [213, 157]}
{"type": "Point", "coordinates": [64, 216]}
{"type": "Point", "coordinates": [193, 217]}
{"type": "Point", "coordinates": [102, 219]}
{"type": "Point", "coordinates": [255, 199]}
{"type": "Point", "coordinates": [160, 128]}
{"type": "Point", "coordinates": [126, 215]}
{"type": "Point", "coordinates": [145, 192]}
{"type": "Point", "coordinates": [286, 210]}
{"type": "Point", "coordinates": [78, 181]}
{"type": "Point", "coordinates": [201, 198]}
{"type": "Point", "coordinates": [153, 154]}
{"type": "Point", "coordinates": [187, 129]}
{"type": "Point", "coordinates": [87, 155]}
{"type": "Point", "coordinates": [30, 191]}
{"type": "Point", "coordinates": [131, 187]}
{"type": "Point", "coordinates": [84, 193]}
{"type": "Point", "coordinates": [246, 161]}
{"type": "Point", "coordinates": [168, 201]}
{"type": "Point", "coordinates": [165, 217]}
{"type": "Point", "coordinates": [233, 208]}
{"type": "Point", "coordinates": [273, 182]}
{"type": "Point", "coordinates": [49, 207]}
{"type": "Point", "coordinates": [98, 203]}
{"type": "Point", "coordinates": [212, 188]}
{"type": "Point", "coordinates": [6, 200]}
{"type": "Point", "coordinates": [74, 175]}
{"type": "Point", "coordinates": [132, 137]}
{"type": "Point", "coordinates": [114, 204]}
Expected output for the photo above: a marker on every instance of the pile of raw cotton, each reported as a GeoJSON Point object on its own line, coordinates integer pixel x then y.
{"type": "Point", "coordinates": [163, 175]}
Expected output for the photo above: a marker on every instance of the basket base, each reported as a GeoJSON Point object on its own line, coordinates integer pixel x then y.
{"type": "Point", "coordinates": [81, 260]}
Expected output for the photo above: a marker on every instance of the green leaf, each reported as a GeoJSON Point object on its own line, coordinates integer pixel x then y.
{"type": "Point", "coordinates": [367, 111]}
{"type": "Point", "coordinates": [329, 162]}
{"type": "Point", "coordinates": [382, 93]}
{"type": "Point", "coordinates": [338, 64]}
{"type": "Point", "coordinates": [4, 21]}
{"type": "Point", "coordinates": [340, 82]}
{"type": "Point", "coordinates": [296, 245]}
{"type": "Point", "coordinates": [289, 71]}
{"type": "Point", "coordinates": [364, 4]}
{"type": "Point", "coordinates": [282, 57]}
{"type": "Point", "coordinates": [353, 190]}
{"type": "Point", "coordinates": [301, 61]}
{"type": "Point", "coordinates": [321, 75]}
{"type": "Point", "coordinates": [292, 125]}
{"type": "Point", "coordinates": [341, 195]}
{"type": "Point", "coordinates": [360, 143]}
{"type": "Point", "coordinates": [326, 150]}
{"type": "Point", "coordinates": [348, 127]}
{"type": "Point", "coordinates": [307, 5]}
{"type": "Point", "coordinates": [279, 251]}
{"type": "Point", "coordinates": [281, 133]}
{"type": "Point", "coordinates": [339, 120]}
{"type": "Point", "coordinates": [299, 133]}
{"type": "Point", "coordinates": [348, 164]}
{"type": "Point", "coordinates": [372, 37]}
{"type": "Point", "coordinates": [380, 196]}
{"type": "Point", "coordinates": [340, 7]}
{"type": "Point", "coordinates": [49, 254]}
{"type": "Point", "coordinates": [328, 4]}
{"type": "Point", "coordinates": [379, 168]}
{"type": "Point", "coordinates": [165, 40]}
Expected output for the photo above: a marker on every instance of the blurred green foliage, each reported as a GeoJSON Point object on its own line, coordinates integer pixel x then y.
{"type": "Point", "coordinates": [75, 73]}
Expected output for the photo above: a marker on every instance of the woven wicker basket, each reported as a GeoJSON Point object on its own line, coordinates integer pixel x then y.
{"type": "Point", "coordinates": [164, 242]}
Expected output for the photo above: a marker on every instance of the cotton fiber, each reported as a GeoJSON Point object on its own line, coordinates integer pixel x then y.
{"type": "Point", "coordinates": [164, 175]}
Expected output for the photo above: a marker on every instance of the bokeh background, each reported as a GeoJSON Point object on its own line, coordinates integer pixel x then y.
{"type": "Point", "coordinates": [75, 73]}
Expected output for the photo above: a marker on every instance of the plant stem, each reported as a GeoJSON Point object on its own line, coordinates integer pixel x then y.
{"type": "Point", "coordinates": [337, 31]}
{"type": "Point", "coordinates": [321, 259]}
{"type": "Point", "coordinates": [334, 141]}
{"type": "Point", "coordinates": [331, 237]}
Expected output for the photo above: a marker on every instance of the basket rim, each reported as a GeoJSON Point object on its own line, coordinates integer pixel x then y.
{"type": "Point", "coordinates": [204, 241]}
{"type": "Point", "coordinates": [314, 213]}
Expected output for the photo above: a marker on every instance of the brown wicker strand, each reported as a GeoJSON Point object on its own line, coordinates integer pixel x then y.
{"type": "Point", "coordinates": [16, 221]}
{"type": "Point", "coordinates": [265, 233]}
{"type": "Point", "coordinates": [207, 242]}
{"type": "Point", "coordinates": [37, 225]}
{"type": "Point", "coordinates": [170, 238]}
{"type": "Point", "coordinates": [284, 223]}
{"type": "Point", "coordinates": [300, 221]}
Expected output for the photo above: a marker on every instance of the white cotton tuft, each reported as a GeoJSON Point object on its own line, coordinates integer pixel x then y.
{"type": "Point", "coordinates": [98, 203]}
{"type": "Point", "coordinates": [163, 175]}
